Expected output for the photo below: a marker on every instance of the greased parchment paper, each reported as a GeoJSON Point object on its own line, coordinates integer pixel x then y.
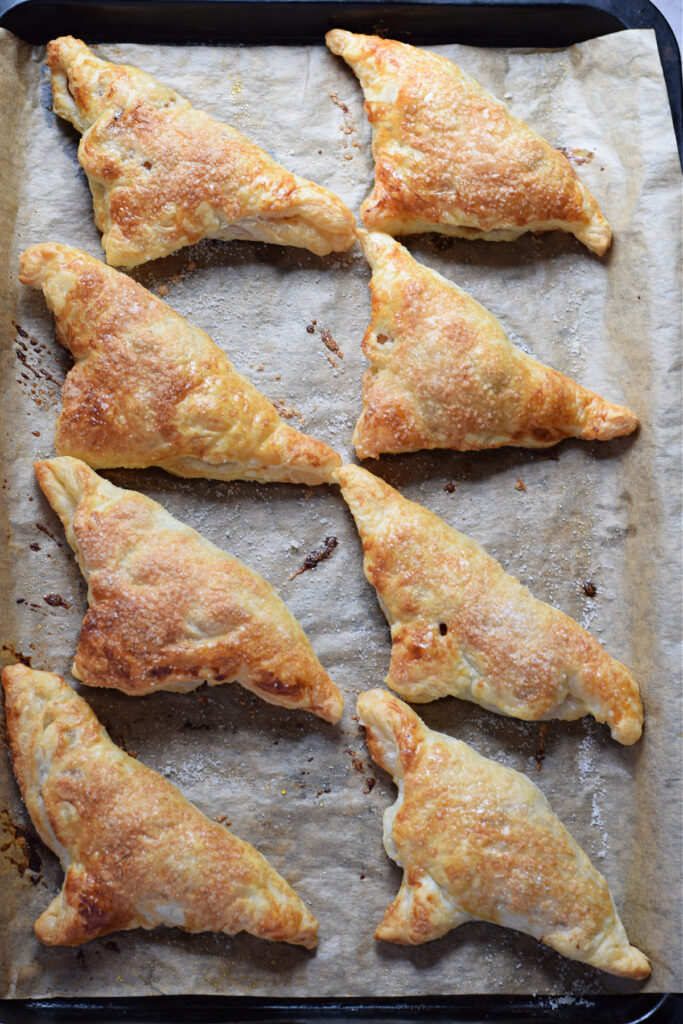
{"type": "Point", "coordinates": [575, 521]}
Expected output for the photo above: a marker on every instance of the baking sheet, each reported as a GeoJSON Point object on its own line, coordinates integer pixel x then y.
{"type": "Point", "coordinates": [304, 792]}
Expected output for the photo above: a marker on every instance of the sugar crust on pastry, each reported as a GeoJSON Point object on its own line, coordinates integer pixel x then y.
{"type": "Point", "coordinates": [169, 610]}
{"type": "Point", "coordinates": [151, 389]}
{"type": "Point", "coordinates": [478, 841]}
{"type": "Point", "coordinates": [444, 373]}
{"type": "Point", "coordinates": [135, 852]}
{"type": "Point", "coordinates": [449, 157]}
{"type": "Point", "coordinates": [164, 175]}
{"type": "Point", "coordinates": [460, 625]}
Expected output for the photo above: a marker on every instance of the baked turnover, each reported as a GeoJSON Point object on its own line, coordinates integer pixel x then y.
{"type": "Point", "coordinates": [150, 389]}
{"type": "Point", "coordinates": [169, 610]}
{"type": "Point", "coordinates": [461, 625]}
{"type": "Point", "coordinates": [478, 841]}
{"type": "Point", "coordinates": [444, 374]}
{"type": "Point", "coordinates": [451, 158]}
{"type": "Point", "coordinates": [135, 852]}
{"type": "Point", "coordinates": [164, 175]}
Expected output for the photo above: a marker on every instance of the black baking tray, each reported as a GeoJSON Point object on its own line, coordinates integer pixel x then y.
{"type": "Point", "coordinates": [472, 22]}
{"type": "Point", "coordinates": [642, 1009]}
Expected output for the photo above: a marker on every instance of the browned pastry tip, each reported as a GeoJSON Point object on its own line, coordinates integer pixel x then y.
{"type": "Point", "coordinates": [135, 852]}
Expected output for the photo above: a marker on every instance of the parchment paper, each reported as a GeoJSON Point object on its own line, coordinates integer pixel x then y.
{"type": "Point", "coordinates": [580, 514]}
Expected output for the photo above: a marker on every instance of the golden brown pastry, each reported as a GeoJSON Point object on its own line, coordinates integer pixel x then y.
{"type": "Point", "coordinates": [168, 610]}
{"type": "Point", "coordinates": [134, 852]}
{"type": "Point", "coordinates": [164, 175]}
{"type": "Point", "coordinates": [444, 373]}
{"type": "Point", "coordinates": [460, 625]}
{"type": "Point", "coordinates": [478, 841]}
{"type": "Point", "coordinates": [451, 158]}
{"type": "Point", "coordinates": [150, 389]}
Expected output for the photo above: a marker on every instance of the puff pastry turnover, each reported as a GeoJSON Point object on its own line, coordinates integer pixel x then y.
{"type": "Point", "coordinates": [164, 175]}
{"type": "Point", "coordinates": [168, 610]}
{"type": "Point", "coordinates": [444, 373]}
{"type": "Point", "coordinates": [460, 625]}
{"type": "Point", "coordinates": [478, 841]}
{"type": "Point", "coordinates": [451, 158]}
{"type": "Point", "coordinates": [134, 852]}
{"type": "Point", "coordinates": [150, 389]}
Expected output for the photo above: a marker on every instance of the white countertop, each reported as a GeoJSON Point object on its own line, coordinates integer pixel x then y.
{"type": "Point", "coordinates": [673, 12]}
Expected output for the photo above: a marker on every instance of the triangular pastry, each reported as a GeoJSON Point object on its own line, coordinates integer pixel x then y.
{"type": "Point", "coordinates": [451, 158]}
{"type": "Point", "coordinates": [478, 841]}
{"type": "Point", "coordinates": [444, 373]}
{"type": "Point", "coordinates": [169, 610]}
{"type": "Point", "coordinates": [151, 389]}
{"type": "Point", "coordinates": [164, 175]}
{"type": "Point", "coordinates": [460, 625]}
{"type": "Point", "coordinates": [135, 852]}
